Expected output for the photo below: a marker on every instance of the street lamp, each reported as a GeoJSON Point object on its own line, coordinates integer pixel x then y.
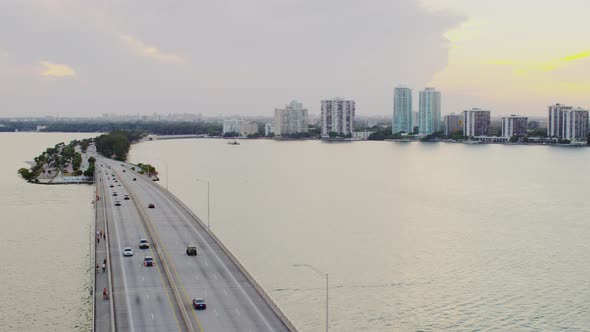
{"type": "Point", "coordinates": [208, 201]}
{"type": "Point", "coordinates": [325, 275]}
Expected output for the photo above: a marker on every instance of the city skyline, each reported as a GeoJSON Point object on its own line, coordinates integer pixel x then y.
{"type": "Point", "coordinates": [226, 58]}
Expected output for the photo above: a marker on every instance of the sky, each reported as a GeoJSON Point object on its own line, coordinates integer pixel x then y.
{"type": "Point", "coordinates": [221, 57]}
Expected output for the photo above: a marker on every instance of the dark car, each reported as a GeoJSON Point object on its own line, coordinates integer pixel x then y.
{"type": "Point", "coordinates": [199, 304]}
{"type": "Point", "coordinates": [151, 206]}
{"type": "Point", "coordinates": [191, 250]}
{"type": "Point", "coordinates": [126, 198]}
{"type": "Point", "coordinates": [115, 194]}
{"type": "Point", "coordinates": [144, 244]}
{"type": "Point", "coordinates": [117, 203]}
{"type": "Point", "coordinates": [134, 179]}
{"type": "Point", "coordinates": [111, 186]}
{"type": "Point", "coordinates": [148, 261]}
{"type": "Point", "coordinates": [123, 171]}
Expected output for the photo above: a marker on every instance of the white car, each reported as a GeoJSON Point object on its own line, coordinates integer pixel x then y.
{"type": "Point", "coordinates": [127, 252]}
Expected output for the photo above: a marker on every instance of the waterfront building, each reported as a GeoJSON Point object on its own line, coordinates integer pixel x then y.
{"type": "Point", "coordinates": [476, 122]}
{"type": "Point", "coordinates": [514, 125]}
{"type": "Point", "coordinates": [566, 122]}
{"type": "Point", "coordinates": [268, 129]}
{"type": "Point", "coordinates": [415, 121]}
{"type": "Point", "coordinates": [453, 124]}
{"type": "Point", "coordinates": [402, 110]}
{"type": "Point", "coordinates": [429, 111]}
{"type": "Point", "coordinates": [337, 116]}
{"type": "Point", "coordinates": [248, 128]}
{"type": "Point", "coordinates": [292, 119]}
{"type": "Point", "coordinates": [231, 126]}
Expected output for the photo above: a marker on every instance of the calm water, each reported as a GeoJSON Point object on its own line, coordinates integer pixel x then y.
{"type": "Point", "coordinates": [44, 243]}
{"type": "Point", "coordinates": [414, 236]}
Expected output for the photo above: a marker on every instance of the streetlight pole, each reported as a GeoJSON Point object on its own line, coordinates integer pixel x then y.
{"type": "Point", "coordinates": [208, 203]}
{"type": "Point", "coordinates": [324, 275]}
{"type": "Point", "coordinates": [166, 163]}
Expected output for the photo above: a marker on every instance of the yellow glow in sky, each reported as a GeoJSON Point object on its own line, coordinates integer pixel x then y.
{"type": "Point", "coordinates": [57, 70]}
{"type": "Point", "coordinates": [519, 51]}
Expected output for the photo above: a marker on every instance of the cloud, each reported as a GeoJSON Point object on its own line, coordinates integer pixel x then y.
{"type": "Point", "coordinates": [150, 51]}
{"type": "Point", "coordinates": [57, 70]}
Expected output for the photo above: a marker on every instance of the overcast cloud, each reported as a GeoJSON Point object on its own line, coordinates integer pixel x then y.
{"type": "Point", "coordinates": [213, 57]}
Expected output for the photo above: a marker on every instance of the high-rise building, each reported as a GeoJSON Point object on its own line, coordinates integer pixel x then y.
{"type": "Point", "coordinates": [292, 119]}
{"type": "Point", "coordinates": [566, 122]}
{"type": "Point", "coordinates": [248, 128]}
{"type": "Point", "coordinates": [555, 124]}
{"type": "Point", "coordinates": [476, 122]}
{"type": "Point", "coordinates": [429, 111]}
{"type": "Point", "coordinates": [231, 126]}
{"type": "Point", "coordinates": [453, 124]}
{"type": "Point", "coordinates": [514, 125]}
{"type": "Point", "coordinates": [402, 110]}
{"type": "Point", "coordinates": [337, 116]}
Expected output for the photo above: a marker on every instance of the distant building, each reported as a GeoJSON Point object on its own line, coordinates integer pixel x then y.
{"type": "Point", "coordinates": [476, 122]}
{"type": "Point", "coordinates": [514, 126]}
{"type": "Point", "coordinates": [361, 135]}
{"type": "Point", "coordinates": [429, 111]}
{"type": "Point", "coordinates": [292, 119]}
{"type": "Point", "coordinates": [231, 126]}
{"type": "Point", "coordinates": [248, 128]}
{"type": "Point", "coordinates": [268, 129]}
{"type": "Point", "coordinates": [402, 110]}
{"type": "Point", "coordinates": [337, 116]}
{"type": "Point", "coordinates": [453, 124]}
{"type": "Point", "coordinates": [566, 122]}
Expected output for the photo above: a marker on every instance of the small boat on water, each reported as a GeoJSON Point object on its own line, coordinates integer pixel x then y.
{"type": "Point", "coordinates": [233, 143]}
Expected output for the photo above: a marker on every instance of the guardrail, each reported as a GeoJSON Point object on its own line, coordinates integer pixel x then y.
{"type": "Point", "coordinates": [110, 270]}
{"type": "Point", "coordinates": [155, 240]}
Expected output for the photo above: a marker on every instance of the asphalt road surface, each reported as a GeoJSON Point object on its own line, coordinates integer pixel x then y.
{"type": "Point", "coordinates": [144, 296]}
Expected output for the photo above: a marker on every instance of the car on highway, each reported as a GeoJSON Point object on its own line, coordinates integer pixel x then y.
{"type": "Point", "coordinates": [134, 179]}
{"type": "Point", "coordinates": [119, 185]}
{"type": "Point", "coordinates": [144, 244]}
{"type": "Point", "coordinates": [148, 261]}
{"type": "Point", "coordinates": [115, 194]}
{"type": "Point", "coordinates": [151, 206]}
{"type": "Point", "coordinates": [127, 251]}
{"type": "Point", "coordinates": [111, 186]}
{"type": "Point", "coordinates": [123, 171]}
{"type": "Point", "coordinates": [117, 203]}
{"type": "Point", "coordinates": [191, 250]}
{"type": "Point", "coordinates": [126, 197]}
{"type": "Point", "coordinates": [199, 304]}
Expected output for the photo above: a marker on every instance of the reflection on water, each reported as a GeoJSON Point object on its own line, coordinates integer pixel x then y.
{"type": "Point", "coordinates": [414, 236]}
{"type": "Point", "coordinates": [44, 243]}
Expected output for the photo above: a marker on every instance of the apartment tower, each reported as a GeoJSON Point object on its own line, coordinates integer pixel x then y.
{"type": "Point", "coordinates": [429, 111]}
{"type": "Point", "coordinates": [402, 110]}
{"type": "Point", "coordinates": [337, 116]}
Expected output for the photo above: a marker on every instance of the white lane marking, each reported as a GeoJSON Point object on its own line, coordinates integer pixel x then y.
{"type": "Point", "coordinates": [147, 295]}
{"type": "Point", "coordinates": [197, 277]}
{"type": "Point", "coordinates": [206, 264]}
{"type": "Point", "coordinates": [216, 313]}
{"type": "Point", "coordinates": [225, 291]}
{"type": "Point", "coordinates": [131, 326]}
{"type": "Point", "coordinates": [237, 311]}
{"type": "Point", "coordinates": [152, 316]}
{"type": "Point", "coordinates": [215, 276]}
{"type": "Point", "coordinates": [175, 205]}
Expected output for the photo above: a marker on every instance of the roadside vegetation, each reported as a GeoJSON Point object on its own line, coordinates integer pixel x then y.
{"type": "Point", "coordinates": [154, 127]}
{"type": "Point", "coordinates": [116, 144]}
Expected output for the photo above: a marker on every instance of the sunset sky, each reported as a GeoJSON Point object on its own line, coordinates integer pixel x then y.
{"type": "Point", "coordinates": [236, 57]}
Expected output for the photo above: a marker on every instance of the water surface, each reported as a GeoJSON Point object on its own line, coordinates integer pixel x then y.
{"type": "Point", "coordinates": [414, 236]}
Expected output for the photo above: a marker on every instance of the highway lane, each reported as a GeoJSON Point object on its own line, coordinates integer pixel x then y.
{"type": "Point", "coordinates": [143, 302]}
{"type": "Point", "coordinates": [233, 303]}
